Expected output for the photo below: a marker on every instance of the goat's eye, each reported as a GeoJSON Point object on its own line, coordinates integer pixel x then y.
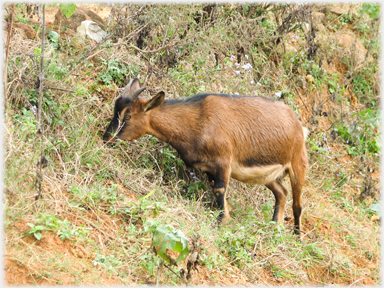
{"type": "Point", "coordinates": [127, 117]}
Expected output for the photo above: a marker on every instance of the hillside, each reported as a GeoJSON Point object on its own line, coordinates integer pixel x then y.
{"type": "Point", "coordinates": [102, 208]}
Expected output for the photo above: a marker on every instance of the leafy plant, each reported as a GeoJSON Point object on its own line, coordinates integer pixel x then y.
{"type": "Point", "coordinates": [167, 237]}
{"type": "Point", "coordinates": [372, 9]}
{"type": "Point", "coordinates": [148, 262]}
{"type": "Point", "coordinates": [363, 83]}
{"type": "Point", "coordinates": [361, 135]}
{"type": "Point", "coordinates": [57, 69]}
{"type": "Point", "coordinates": [115, 71]}
{"type": "Point", "coordinates": [237, 244]}
{"type": "Point", "coordinates": [346, 18]}
{"type": "Point", "coordinates": [375, 208]}
{"type": "Point", "coordinates": [51, 223]}
{"type": "Point", "coordinates": [267, 209]}
{"type": "Point", "coordinates": [109, 262]}
{"type": "Point", "coordinates": [35, 230]}
{"type": "Point", "coordinates": [213, 260]}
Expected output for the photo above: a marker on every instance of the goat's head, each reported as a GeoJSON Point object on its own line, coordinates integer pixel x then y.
{"type": "Point", "coordinates": [131, 115]}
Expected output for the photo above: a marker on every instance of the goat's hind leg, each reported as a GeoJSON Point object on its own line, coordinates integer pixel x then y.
{"type": "Point", "coordinates": [297, 176]}
{"type": "Point", "coordinates": [280, 192]}
{"type": "Point", "coordinates": [297, 186]}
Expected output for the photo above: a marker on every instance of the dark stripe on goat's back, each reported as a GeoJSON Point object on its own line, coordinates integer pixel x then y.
{"type": "Point", "coordinates": [198, 98]}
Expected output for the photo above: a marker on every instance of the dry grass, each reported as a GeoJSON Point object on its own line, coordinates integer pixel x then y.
{"type": "Point", "coordinates": [94, 213]}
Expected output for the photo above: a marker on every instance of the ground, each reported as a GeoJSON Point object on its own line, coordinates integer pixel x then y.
{"type": "Point", "coordinates": [92, 224]}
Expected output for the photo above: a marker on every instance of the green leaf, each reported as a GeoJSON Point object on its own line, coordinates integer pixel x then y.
{"type": "Point", "coordinates": [68, 9]}
{"type": "Point", "coordinates": [372, 9]}
{"type": "Point", "coordinates": [37, 235]}
{"type": "Point", "coordinates": [375, 207]}
{"type": "Point", "coordinates": [149, 194]}
{"type": "Point", "coordinates": [54, 36]}
{"type": "Point", "coordinates": [167, 237]}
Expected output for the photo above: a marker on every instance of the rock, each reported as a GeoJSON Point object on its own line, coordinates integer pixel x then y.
{"type": "Point", "coordinates": [375, 218]}
{"type": "Point", "coordinates": [353, 45]}
{"type": "Point", "coordinates": [339, 9]}
{"type": "Point", "coordinates": [76, 18]}
{"type": "Point", "coordinates": [289, 48]}
{"type": "Point", "coordinates": [318, 17]}
{"type": "Point", "coordinates": [343, 8]}
{"type": "Point", "coordinates": [91, 29]}
{"type": "Point", "coordinates": [310, 78]}
{"type": "Point", "coordinates": [94, 17]}
{"type": "Point", "coordinates": [318, 20]}
{"type": "Point", "coordinates": [25, 30]}
{"type": "Point", "coordinates": [73, 22]}
{"type": "Point", "coordinates": [321, 28]}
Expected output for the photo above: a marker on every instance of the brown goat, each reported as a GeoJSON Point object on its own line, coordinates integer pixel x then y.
{"type": "Point", "coordinates": [251, 139]}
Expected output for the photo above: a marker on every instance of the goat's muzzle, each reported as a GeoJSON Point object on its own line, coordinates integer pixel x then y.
{"type": "Point", "coordinates": [108, 139]}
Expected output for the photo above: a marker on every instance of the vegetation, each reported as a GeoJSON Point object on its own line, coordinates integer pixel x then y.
{"type": "Point", "coordinates": [132, 213]}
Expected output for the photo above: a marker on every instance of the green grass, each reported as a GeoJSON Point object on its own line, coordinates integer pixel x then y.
{"type": "Point", "coordinates": [93, 224]}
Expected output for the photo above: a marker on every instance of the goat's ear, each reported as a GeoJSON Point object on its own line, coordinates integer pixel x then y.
{"type": "Point", "coordinates": [155, 101]}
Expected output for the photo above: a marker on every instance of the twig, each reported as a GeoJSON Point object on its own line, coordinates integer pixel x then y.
{"type": "Point", "coordinates": [93, 55]}
{"type": "Point", "coordinates": [6, 59]}
{"type": "Point", "coordinates": [150, 51]}
{"type": "Point", "coordinates": [265, 259]}
{"type": "Point", "coordinates": [159, 272]}
{"type": "Point", "coordinates": [186, 283]}
{"type": "Point", "coordinates": [39, 178]}
{"type": "Point", "coordinates": [356, 282]}
{"type": "Point", "coordinates": [305, 105]}
{"type": "Point", "coordinates": [61, 89]}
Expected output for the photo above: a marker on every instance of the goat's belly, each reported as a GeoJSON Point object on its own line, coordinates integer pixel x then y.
{"type": "Point", "coordinates": [258, 174]}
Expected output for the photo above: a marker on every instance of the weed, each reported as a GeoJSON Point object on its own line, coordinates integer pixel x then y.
{"type": "Point", "coordinates": [267, 209]}
{"type": "Point", "coordinates": [149, 262]}
{"type": "Point", "coordinates": [221, 48]}
{"type": "Point", "coordinates": [372, 9]}
{"type": "Point", "coordinates": [363, 84]}
{"type": "Point", "coordinates": [346, 18]}
{"type": "Point", "coordinates": [360, 135]}
{"type": "Point", "coordinates": [213, 260]}
{"type": "Point", "coordinates": [35, 230]}
{"type": "Point", "coordinates": [108, 262]}
{"type": "Point", "coordinates": [116, 71]}
{"type": "Point", "coordinates": [53, 38]}
{"type": "Point", "coordinates": [64, 228]}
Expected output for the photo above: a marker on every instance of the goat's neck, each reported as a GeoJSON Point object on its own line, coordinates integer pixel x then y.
{"type": "Point", "coordinates": [171, 124]}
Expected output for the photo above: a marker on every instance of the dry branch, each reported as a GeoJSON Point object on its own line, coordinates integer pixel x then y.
{"type": "Point", "coordinates": [6, 58]}
{"type": "Point", "coordinates": [39, 138]}
{"type": "Point", "coordinates": [151, 51]}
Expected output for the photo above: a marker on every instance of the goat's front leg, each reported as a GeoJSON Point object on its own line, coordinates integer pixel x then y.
{"type": "Point", "coordinates": [219, 190]}
{"type": "Point", "coordinates": [211, 179]}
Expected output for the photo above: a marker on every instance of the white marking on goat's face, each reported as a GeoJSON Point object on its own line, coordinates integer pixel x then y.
{"type": "Point", "coordinates": [135, 127]}
{"type": "Point", "coordinates": [257, 175]}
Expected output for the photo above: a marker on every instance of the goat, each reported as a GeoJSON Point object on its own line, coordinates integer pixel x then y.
{"type": "Point", "coordinates": [252, 139]}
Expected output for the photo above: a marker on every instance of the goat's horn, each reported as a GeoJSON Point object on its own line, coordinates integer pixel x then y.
{"type": "Point", "coordinates": [136, 93]}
